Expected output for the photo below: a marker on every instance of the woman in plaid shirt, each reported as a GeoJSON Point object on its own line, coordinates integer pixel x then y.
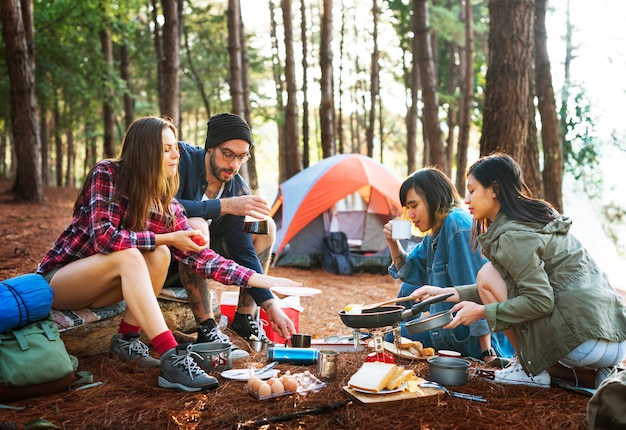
{"type": "Point", "coordinates": [125, 229]}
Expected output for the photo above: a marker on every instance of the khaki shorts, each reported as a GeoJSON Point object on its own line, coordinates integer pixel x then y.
{"type": "Point", "coordinates": [48, 276]}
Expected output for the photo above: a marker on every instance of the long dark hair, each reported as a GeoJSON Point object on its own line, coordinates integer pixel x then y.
{"type": "Point", "coordinates": [436, 189]}
{"type": "Point", "coordinates": [516, 201]}
{"type": "Point", "coordinates": [141, 176]}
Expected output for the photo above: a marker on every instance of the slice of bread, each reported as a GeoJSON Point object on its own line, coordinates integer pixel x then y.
{"type": "Point", "coordinates": [400, 379]}
{"type": "Point", "coordinates": [373, 376]}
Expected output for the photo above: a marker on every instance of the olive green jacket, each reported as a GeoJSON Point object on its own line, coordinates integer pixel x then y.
{"type": "Point", "coordinates": [558, 296]}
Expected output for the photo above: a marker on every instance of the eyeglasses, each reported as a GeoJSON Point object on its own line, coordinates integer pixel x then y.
{"type": "Point", "coordinates": [230, 156]}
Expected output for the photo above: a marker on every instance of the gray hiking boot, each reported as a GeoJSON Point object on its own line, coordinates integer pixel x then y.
{"type": "Point", "coordinates": [180, 372]}
{"type": "Point", "coordinates": [215, 335]}
{"type": "Point", "coordinates": [131, 350]}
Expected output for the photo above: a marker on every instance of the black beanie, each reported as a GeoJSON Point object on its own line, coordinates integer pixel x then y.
{"type": "Point", "coordinates": [226, 126]}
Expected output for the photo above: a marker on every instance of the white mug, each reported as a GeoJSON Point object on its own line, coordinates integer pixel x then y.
{"type": "Point", "coordinates": [400, 229]}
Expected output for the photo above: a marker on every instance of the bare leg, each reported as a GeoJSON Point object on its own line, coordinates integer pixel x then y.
{"type": "Point", "coordinates": [198, 293]}
{"type": "Point", "coordinates": [492, 289]}
{"type": "Point", "coordinates": [104, 279]}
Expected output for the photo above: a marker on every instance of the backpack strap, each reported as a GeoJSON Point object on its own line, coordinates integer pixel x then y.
{"type": "Point", "coordinates": [83, 381]}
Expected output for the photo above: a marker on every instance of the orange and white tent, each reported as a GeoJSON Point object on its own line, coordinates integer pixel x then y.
{"type": "Point", "coordinates": [348, 192]}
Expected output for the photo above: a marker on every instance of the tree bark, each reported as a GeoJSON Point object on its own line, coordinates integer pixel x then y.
{"type": "Point", "coordinates": [510, 62]}
{"type": "Point", "coordinates": [108, 117]}
{"type": "Point", "coordinates": [374, 82]}
{"type": "Point", "coordinates": [171, 61]}
{"type": "Point", "coordinates": [467, 96]}
{"type": "Point", "coordinates": [129, 102]}
{"type": "Point", "coordinates": [327, 108]}
{"type": "Point", "coordinates": [305, 85]}
{"type": "Point", "coordinates": [436, 150]}
{"type": "Point", "coordinates": [292, 138]}
{"type": "Point", "coordinates": [17, 32]}
{"type": "Point", "coordinates": [550, 132]}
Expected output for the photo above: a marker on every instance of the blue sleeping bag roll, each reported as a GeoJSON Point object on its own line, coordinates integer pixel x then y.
{"type": "Point", "coordinates": [24, 300]}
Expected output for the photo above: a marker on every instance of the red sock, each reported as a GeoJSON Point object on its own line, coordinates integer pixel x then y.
{"type": "Point", "coordinates": [164, 342]}
{"type": "Point", "coordinates": [126, 328]}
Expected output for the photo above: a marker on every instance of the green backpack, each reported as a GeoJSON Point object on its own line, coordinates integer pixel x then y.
{"type": "Point", "coordinates": [607, 407]}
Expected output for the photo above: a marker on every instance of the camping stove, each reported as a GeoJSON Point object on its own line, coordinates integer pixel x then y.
{"type": "Point", "coordinates": [377, 334]}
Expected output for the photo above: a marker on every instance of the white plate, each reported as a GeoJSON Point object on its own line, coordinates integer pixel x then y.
{"type": "Point", "coordinates": [244, 374]}
{"type": "Point", "coordinates": [384, 391]}
{"type": "Point", "coordinates": [296, 291]}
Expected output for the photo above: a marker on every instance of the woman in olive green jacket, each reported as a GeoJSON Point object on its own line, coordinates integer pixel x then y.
{"type": "Point", "coordinates": [541, 287]}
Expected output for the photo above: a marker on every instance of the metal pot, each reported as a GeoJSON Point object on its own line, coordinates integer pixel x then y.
{"type": "Point", "coordinates": [429, 322]}
{"type": "Point", "coordinates": [387, 315]}
{"type": "Point", "coordinates": [448, 370]}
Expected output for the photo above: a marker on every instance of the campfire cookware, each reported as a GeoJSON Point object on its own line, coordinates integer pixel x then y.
{"type": "Point", "coordinates": [448, 370]}
{"type": "Point", "coordinates": [429, 322]}
{"type": "Point", "coordinates": [387, 315]}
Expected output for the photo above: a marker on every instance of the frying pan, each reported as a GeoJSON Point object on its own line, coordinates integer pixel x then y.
{"type": "Point", "coordinates": [429, 322]}
{"type": "Point", "coordinates": [387, 315]}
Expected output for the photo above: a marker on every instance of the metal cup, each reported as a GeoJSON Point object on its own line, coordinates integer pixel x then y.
{"type": "Point", "coordinates": [327, 364]}
{"type": "Point", "coordinates": [253, 226]}
{"type": "Point", "coordinates": [300, 341]}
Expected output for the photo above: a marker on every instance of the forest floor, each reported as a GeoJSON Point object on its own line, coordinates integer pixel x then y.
{"type": "Point", "coordinates": [130, 399]}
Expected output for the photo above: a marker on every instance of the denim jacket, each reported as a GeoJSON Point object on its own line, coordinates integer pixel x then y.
{"type": "Point", "coordinates": [193, 183]}
{"type": "Point", "coordinates": [558, 296]}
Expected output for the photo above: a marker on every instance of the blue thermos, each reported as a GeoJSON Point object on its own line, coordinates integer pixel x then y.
{"type": "Point", "coordinates": [303, 356]}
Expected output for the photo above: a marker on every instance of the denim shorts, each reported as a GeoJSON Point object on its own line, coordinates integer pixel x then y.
{"type": "Point", "coordinates": [596, 353]}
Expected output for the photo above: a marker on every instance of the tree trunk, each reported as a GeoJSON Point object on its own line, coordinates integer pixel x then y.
{"type": "Point", "coordinates": [305, 85]}
{"type": "Point", "coordinates": [17, 32]}
{"type": "Point", "coordinates": [171, 61]}
{"type": "Point", "coordinates": [327, 113]}
{"type": "Point", "coordinates": [158, 50]}
{"type": "Point", "coordinates": [412, 113]}
{"type": "Point", "coordinates": [374, 83]}
{"type": "Point", "coordinates": [511, 59]}
{"type": "Point", "coordinates": [292, 139]}
{"type": "Point", "coordinates": [550, 136]}
{"type": "Point", "coordinates": [129, 102]}
{"type": "Point", "coordinates": [71, 158]}
{"type": "Point", "coordinates": [436, 151]}
{"type": "Point", "coordinates": [467, 97]}
{"type": "Point", "coordinates": [58, 143]}
{"type": "Point", "coordinates": [280, 104]}
{"type": "Point", "coordinates": [250, 167]}
{"type": "Point", "coordinates": [107, 110]}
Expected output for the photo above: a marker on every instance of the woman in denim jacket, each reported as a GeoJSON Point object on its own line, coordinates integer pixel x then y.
{"type": "Point", "coordinates": [540, 286]}
{"type": "Point", "coordinates": [443, 257]}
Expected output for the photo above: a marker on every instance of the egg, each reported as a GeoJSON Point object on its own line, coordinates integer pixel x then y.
{"type": "Point", "coordinates": [354, 309]}
{"type": "Point", "coordinates": [253, 383]}
{"type": "Point", "coordinates": [290, 384]}
{"type": "Point", "coordinates": [264, 389]}
{"type": "Point", "coordinates": [271, 381]}
{"type": "Point", "coordinates": [277, 387]}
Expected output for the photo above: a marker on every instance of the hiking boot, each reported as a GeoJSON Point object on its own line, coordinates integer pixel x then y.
{"type": "Point", "coordinates": [131, 350]}
{"type": "Point", "coordinates": [180, 372]}
{"type": "Point", "coordinates": [515, 374]}
{"type": "Point", "coordinates": [248, 328]}
{"type": "Point", "coordinates": [215, 335]}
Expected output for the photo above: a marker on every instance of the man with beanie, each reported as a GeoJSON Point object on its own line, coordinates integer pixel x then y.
{"type": "Point", "coordinates": [216, 200]}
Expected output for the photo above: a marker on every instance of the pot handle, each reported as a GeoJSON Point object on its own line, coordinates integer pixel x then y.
{"type": "Point", "coordinates": [419, 307]}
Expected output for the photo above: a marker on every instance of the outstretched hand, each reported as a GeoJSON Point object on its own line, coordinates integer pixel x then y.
{"type": "Point", "coordinates": [466, 313]}
{"type": "Point", "coordinates": [253, 206]}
